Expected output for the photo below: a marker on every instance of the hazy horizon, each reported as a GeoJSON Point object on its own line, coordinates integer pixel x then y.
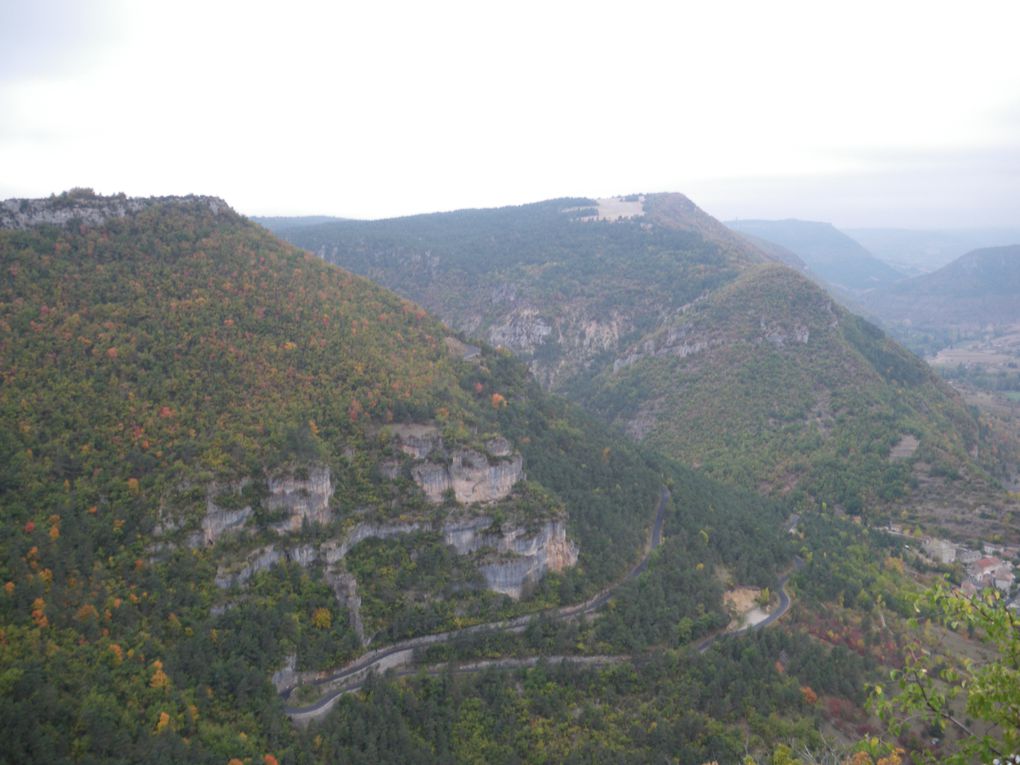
{"type": "Point", "coordinates": [902, 116]}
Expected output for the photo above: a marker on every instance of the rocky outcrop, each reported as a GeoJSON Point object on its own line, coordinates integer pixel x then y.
{"type": "Point", "coordinates": [498, 447]}
{"type": "Point", "coordinates": [578, 336]}
{"type": "Point", "coordinates": [473, 477]}
{"type": "Point", "coordinates": [467, 536]}
{"type": "Point", "coordinates": [330, 553]}
{"type": "Point", "coordinates": [219, 521]}
{"type": "Point", "coordinates": [336, 550]}
{"type": "Point", "coordinates": [84, 206]}
{"type": "Point", "coordinates": [416, 441]}
{"type": "Point", "coordinates": [517, 558]}
{"type": "Point", "coordinates": [522, 331]}
{"type": "Point", "coordinates": [304, 498]}
{"type": "Point", "coordinates": [597, 336]}
{"type": "Point", "coordinates": [678, 341]}
{"type": "Point", "coordinates": [345, 588]}
{"type": "Point", "coordinates": [779, 334]}
{"type": "Point", "coordinates": [514, 555]}
{"type": "Point", "coordinates": [260, 560]}
{"type": "Point", "coordinates": [287, 676]}
{"type": "Point", "coordinates": [301, 498]}
{"type": "Point", "coordinates": [525, 558]}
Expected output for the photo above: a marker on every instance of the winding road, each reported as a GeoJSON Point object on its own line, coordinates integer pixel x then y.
{"type": "Point", "coordinates": [783, 607]}
{"type": "Point", "coordinates": [351, 676]}
{"type": "Point", "coordinates": [399, 656]}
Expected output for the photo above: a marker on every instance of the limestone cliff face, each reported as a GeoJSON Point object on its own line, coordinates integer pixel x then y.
{"type": "Point", "coordinates": [516, 557]}
{"type": "Point", "coordinates": [263, 559]}
{"type": "Point", "coordinates": [82, 206]}
{"type": "Point", "coordinates": [258, 560]}
{"type": "Point", "coordinates": [577, 335]}
{"type": "Point", "coordinates": [687, 338]}
{"type": "Point", "coordinates": [345, 588]}
{"type": "Point", "coordinates": [472, 476]}
{"type": "Point", "coordinates": [512, 557]}
{"type": "Point", "coordinates": [522, 331]}
{"type": "Point", "coordinates": [417, 441]}
{"type": "Point", "coordinates": [677, 341]}
{"type": "Point", "coordinates": [526, 558]}
{"type": "Point", "coordinates": [303, 498]}
{"type": "Point", "coordinates": [217, 522]}
{"type": "Point", "coordinates": [336, 549]}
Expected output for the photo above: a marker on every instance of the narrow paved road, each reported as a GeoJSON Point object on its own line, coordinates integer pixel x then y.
{"type": "Point", "coordinates": [352, 675]}
{"type": "Point", "coordinates": [784, 606]}
{"type": "Point", "coordinates": [304, 715]}
{"type": "Point", "coordinates": [399, 655]}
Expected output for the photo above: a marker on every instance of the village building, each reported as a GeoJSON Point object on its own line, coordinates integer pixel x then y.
{"type": "Point", "coordinates": [966, 556]}
{"type": "Point", "coordinates": [992, 572]}
{"type": "Point", "coordinates": [940, 550]}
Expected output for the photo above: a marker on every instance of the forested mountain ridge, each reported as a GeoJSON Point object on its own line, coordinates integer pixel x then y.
{"type": "Point", "coordinates": [768, 382]}
{"type": "Point", "coordinates": [608, 301]}
{"type": "Point", "coordinates": [975, 291]}
{"type": "Point", "coordinates": [224, 452]}
{"type": "Point", "coordinates": [555, 282]}
{"type": "Point", "coordinates": [831, 255]}
{"type": "Point", "coordinates": [915, 252]}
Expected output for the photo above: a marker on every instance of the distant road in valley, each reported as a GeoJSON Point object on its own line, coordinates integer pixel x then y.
{"type": "Point", "coordinates": [401, 654]}
{"type": "Point", "coordinates": [399, 657]}
{"type": "Point", "coordinates": [781, 609]}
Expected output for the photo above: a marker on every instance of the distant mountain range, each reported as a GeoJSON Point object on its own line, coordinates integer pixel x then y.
{"type": "Point", "coordinates": [682, 332]}
{"type": "Point", "coordinates": [976, 291]}
{"type": "Point", "coordinates": [829, 254]}
{"type": "Point", "coordinates": [277, 224]}
{"type": "Point", "coordinates": [915, 252]}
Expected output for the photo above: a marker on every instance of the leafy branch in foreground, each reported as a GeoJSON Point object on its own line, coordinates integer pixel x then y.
{"type": "Point", "coordinates": [934, 689]}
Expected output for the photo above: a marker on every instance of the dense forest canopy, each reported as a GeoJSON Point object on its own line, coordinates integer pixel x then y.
{"type": "Point", "coordinates": [683, 334]}
{"type": "Point", "coordinates": [170, 360]}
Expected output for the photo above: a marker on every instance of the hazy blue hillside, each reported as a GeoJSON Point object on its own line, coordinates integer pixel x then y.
{"type": "Point", "coordinates": [976, 291]}
{"type": "Point", "coordinates": [915, 252]}
{"type": "Point", "coordinates": [830, 254]}
{"type": "Point", "coordinates": [276, 224]}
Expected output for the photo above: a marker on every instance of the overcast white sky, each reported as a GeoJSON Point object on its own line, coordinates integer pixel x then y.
{"type": "Point", "coordinates": [860, 113]}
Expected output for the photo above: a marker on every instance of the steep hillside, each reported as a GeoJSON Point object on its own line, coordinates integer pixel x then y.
{"type": "Point", "coordinates": [559, 283]}
{"type": "Point", "coordinates": [584, 290]}
{"type": "Point", "coordinates": [223, 457]}
{"type": "Point", "coordinates": [830, 254]}
{"type": "Point", "coordinates": [978, 290]}
{"type": "Point", "coordinates": [778, 253]}
{"type": "Point", "coordinates": [768, 382]}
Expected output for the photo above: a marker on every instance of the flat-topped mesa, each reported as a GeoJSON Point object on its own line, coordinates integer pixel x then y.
{"type": "Point", "coordinates": [85, 206]}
